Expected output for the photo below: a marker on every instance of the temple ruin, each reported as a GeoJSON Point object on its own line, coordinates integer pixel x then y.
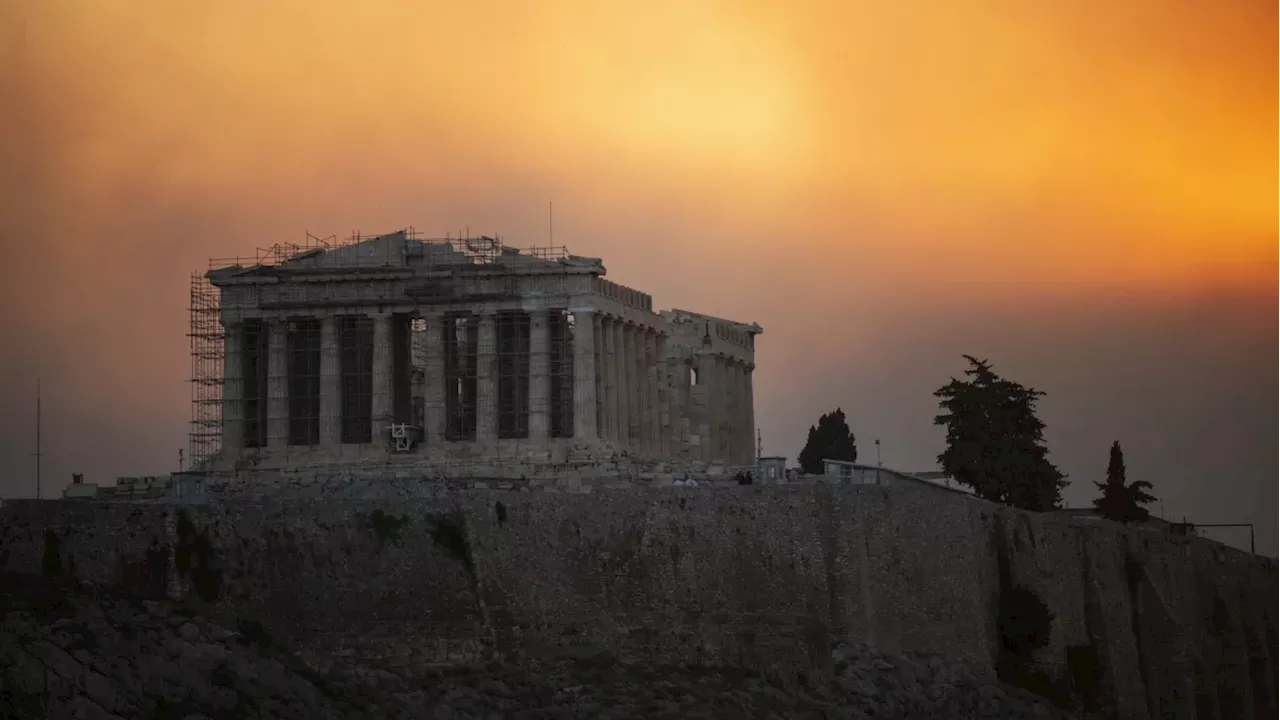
{"type": "Point", "coordinates": [463, 356]}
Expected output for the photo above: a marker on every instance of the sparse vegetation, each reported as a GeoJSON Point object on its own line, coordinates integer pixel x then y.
{"type": "Point", "coordinates": [1085, 666]}
{"type": "Point", "coordinates": [196, 558]}
{"type": "Point", "coordinates": [1025, 625]}
{"type": "Point", "coordinates": [1121, 501]}
{"type": "Point", "coordinates": [51, 563]}
{"type": "Point", "coordinates": [830, 439]}
{"type": "Point", "coordinates": [157, 567]}
{"type": "Point", "coordinates": [449, 534]}
{"type": "Point", "coordinates": [995, 442]}
{"type": "Point", "coordinates": [386, 527]}
{"type": "Point", "coordinates": [1133, 570]}
{"type": "Point", "coordinates": [252, 632]}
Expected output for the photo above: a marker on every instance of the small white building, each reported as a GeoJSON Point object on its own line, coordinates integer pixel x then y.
{"type": "Point", "coordinates": [771, 470]}
{"type": "Point", "coordinates": [852, 473]}
{"type": "Point", "coordinates": [79, 489]}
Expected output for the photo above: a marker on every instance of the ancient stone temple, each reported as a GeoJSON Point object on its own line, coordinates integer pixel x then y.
{"type": "Point", "coordinates": [461, 354]}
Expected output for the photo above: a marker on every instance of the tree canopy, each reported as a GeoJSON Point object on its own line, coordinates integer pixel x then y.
{"type": "Point", "coordinates": [831, 439]}
{"type": "Point", "coordinates": [995, 442]}
{"type": "Point", "coordinates": [1120, 501]}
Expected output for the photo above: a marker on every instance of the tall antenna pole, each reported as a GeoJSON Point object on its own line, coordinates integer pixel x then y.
{"type": "Point", "coordinates": [551, 219]}
{"type": "Point", "coordinates": [39, 454]}
{"type": "Point", "coordinates": [759, 445]}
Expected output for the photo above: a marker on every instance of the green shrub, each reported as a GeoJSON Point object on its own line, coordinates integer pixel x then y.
{"type": "Point", "coordinates": [450, 535]}
{"type": "Point", "coordinates": [1085, 666]}
{"type": "Point", "coordinates": [1133, 570]}
{"type": "Point", "coordinates": [386, 526]}
{"type": "Point", "coordinates": [196, 558]}
{"type": "Point", "coordinates": [1025, 624]}
{"type": "Point", "coordinates": [51, 563]}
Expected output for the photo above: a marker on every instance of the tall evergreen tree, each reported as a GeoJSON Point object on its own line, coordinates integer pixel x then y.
{"type": "Point", "coordinates": [1120, 501]}
{"type": "Point", "coordinates": [831, 439]}
{"type": "Point", "coordinates": [995, 442]}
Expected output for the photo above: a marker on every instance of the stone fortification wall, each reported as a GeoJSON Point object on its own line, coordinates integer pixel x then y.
{"type": "Point", "coordinates": [764, 577]}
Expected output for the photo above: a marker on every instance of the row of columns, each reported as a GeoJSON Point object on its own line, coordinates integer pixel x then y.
{"type": "Point", "coordinates": [330, 406]}
{"type": "Point", "coordinates": [277, 386]}
{"type": "Point", "coordinates": [630, 384]}
{"type": "Point", "coordinates": [730, 421]}
{"type": "Point", "coordinates": [621, 388]}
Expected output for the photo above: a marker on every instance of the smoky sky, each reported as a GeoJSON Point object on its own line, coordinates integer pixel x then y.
{"type": "Point", "coordinates": [1083, 195]}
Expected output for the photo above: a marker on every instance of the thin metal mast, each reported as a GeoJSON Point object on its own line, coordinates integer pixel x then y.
{"type": "Point", "coordinates": [38, 453]}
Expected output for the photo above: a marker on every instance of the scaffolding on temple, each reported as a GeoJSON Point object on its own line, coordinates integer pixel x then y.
{"type": "Point", "coordinates": [266, 384]}
{"type": "Point", "coordinates": [461, 249]}
{"type": "Point", "coordinates": [204, 437]}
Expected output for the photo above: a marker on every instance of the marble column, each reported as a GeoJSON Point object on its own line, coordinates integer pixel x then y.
{"type": "Point", "coordinates": [382, 379]}
{"type": "Point", "coordinates": [721, 405]}
{"type": "Point", "coordinates": [597, 335]}
{"type": "Point", "coordinates": [584, 375]}
{"type": "Point", "coordinates": [642, 389]}
{"type": "Point", "coordinates": [609, 402]}
{"type": "Point", "coordinates": [651, 390]}
{"type": "Point", "coordinates": [749, 390]}
{"type": "Point", "coordinates": [639, 398]}
{"type": "Point", "coordinates": [733, 428]}
{"type": "Point", "coordinates": [433, 431]}
{"type": "Point", "coordinates": [738, 419]}
{"type": "Point", "coordinates": [732, 424]}
{"type": "Point", "coordinates": [627, 393]}
{"type": "Point", "coordinates": [726, 410]}
{"type": "Point", "coordinates": [277, 384]}
{"type": "Point", "coordinates": [330, 384]}
{"type": "Point", "coordinates": [539, 376]}
{"type": "Point", "coordinates": [663, 416]}
{"type": "Point", "coordinates": [707, 383]}
{"type": "Point", "coordinates": [232, 389]}
{"type": "Point", "coordinates": [744, 433]}
{"type": "Point", "coordinates": [617, 394]}
{"type": "Point", "coordinates": [487, 380]}
{"type": "Point", "coordinates": [637, 389]}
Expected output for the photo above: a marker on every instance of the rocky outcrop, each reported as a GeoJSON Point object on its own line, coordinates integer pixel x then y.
{"type": "Point", "coordinates": [1139, 623]}
{"type": "Point", "coordinates": [863, 684]}
{"type": "Point", "coordinates": [76, 651]}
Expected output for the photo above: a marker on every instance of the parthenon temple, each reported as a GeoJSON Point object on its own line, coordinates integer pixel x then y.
{"type": "Point", "coordinates": [456, 353]}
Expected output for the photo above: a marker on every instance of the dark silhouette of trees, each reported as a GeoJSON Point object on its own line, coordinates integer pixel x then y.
{"type": "Point", "coordinates": [1120, 501]}
{"type": "Point", "coordinates": [995, 442]}
{"type": "Point", "coordinates": [830, 440]}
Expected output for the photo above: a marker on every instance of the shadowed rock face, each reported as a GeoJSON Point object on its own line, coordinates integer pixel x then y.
{"type": "Point", "coordinates": [74, 651]}
{"type": "Point", "coordinates": [758, 577]}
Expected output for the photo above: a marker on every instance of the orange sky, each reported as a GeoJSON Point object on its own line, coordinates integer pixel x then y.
{"type": "Point", "coordinates": [891, 164]}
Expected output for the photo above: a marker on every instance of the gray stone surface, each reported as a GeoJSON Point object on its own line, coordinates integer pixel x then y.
{"type": "Point", "coordinates": [758, 577]}
{"type": "Point", "coordinates": [80, 652]}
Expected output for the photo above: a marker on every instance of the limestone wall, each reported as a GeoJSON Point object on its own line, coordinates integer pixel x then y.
{"type": "Point", "coordinates": [765, 577]}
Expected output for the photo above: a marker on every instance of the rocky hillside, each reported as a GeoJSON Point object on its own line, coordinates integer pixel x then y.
{"type": "Point", "coordinates": [84, 652]}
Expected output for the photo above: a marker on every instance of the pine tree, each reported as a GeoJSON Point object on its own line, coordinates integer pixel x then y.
{"type": "Point", "coordinates": [995, 442]}
{"type": "Point", "coordinates": [1120, 501]}
{"type": "Point", "coordinates": [831, 439]}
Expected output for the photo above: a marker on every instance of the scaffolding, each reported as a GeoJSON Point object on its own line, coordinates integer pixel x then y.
{"type": "Point", "coordinates": [204, 437]}
{"type": "Point", "coordinates": [462, 249]}
{"type": "Point", "coordinates": [300, 387]}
